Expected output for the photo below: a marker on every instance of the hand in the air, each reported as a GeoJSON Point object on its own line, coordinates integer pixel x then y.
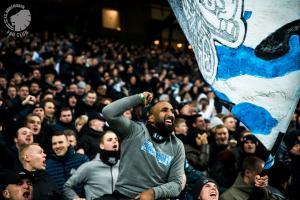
{"type": "Point", "coordinates": [147, 98]}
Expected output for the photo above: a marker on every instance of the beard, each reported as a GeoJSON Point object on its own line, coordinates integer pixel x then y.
{"type": "Point", "coordinates": [165, 129]}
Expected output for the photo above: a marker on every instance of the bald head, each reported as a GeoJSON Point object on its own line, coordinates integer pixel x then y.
{"type": "Point", "coordinates": [32, 157]}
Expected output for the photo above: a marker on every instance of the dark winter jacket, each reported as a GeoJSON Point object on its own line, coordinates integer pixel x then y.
{"type": "Point", "coordinates": [89, 141]}
{"type": "Point", "coordinates": [199, 157]}
{"type": "Point", "coordinates": [61, 168]}
{"type": "Point", "coordinates": [44, 187]}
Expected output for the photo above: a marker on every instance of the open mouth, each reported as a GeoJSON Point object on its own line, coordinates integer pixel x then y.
{"type": "Point", "coordinates": [44, 163]}
{"type": "Point", "coordinates": [169, 122]}
{"type": "Point", "coordinates": [213, 195]}
{"type": "Point", "coordinates": [115, 146]}
{"type": "Point", "coordinates": [26, 195]}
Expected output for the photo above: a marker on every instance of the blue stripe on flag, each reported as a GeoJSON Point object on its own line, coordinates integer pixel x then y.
{"type": "Point", "coordinates": [257, 119]}
{"type": "Point", "coordinates": [269, 163]}
{"type": "Point", "coordinates": [221, 95]}
{"type": "Point", "coordinates": [247, 15]}
{"type": "Point", "coordinates": [243, 61]}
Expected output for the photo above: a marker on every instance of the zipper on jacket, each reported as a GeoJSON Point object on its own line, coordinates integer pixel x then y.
{"type": "Point", "coordinates": [112, 179]}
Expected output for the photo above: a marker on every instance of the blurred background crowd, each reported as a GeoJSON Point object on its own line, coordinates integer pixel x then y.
{"type": "Point", "coordinates": [51, 83]}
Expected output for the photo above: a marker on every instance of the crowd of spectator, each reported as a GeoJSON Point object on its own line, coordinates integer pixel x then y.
{"type": "Point", "coordinates": [52, 91]}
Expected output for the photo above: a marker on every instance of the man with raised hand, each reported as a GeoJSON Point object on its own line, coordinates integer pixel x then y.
{"type": "Point", "coordinates": [152, 157]}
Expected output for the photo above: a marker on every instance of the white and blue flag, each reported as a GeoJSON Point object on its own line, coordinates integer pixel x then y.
{"type": "Point", "coordinates": [249, 53]}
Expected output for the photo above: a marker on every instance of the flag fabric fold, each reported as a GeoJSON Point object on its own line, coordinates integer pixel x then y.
{"type": "Point", "coordinates": [249, 53]}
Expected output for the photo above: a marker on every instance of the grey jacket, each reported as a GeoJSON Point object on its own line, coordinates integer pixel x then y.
{"type": "Point", "coordinates": [96, 177]}
{"type": "Point", "coordinates": [144, 164]}
{"type": "Point", "coordinates": [242, 191]}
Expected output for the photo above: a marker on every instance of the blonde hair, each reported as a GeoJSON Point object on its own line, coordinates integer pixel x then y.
{"type": "Point", "coordinates": [23, 148]}
{"type": "Point", "coordinates": [82, 119]}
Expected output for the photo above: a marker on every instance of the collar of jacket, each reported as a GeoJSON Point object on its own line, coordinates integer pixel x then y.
{"type": "Point", "coordinates": [70, 152]}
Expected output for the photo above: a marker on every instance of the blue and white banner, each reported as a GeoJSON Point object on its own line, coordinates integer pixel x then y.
{"type": "Point", "coordinates": [249, 52]}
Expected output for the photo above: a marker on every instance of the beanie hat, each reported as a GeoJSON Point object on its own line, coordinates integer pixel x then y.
{"type": "Point", "coordinates": [248, 137]}
{"type": "Point", "coordinates": [197, 188]}
{"type": "Point", "coordinates": [38, 105]}
{"type": "Point", "coordinates": [215, 121]}
{"type": "Point", "coordinates": [8, 176]}
{"type": "Point", "coordinates": [95, 115]}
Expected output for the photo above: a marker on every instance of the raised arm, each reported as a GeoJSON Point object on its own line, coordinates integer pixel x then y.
{"type": "Point", "coordinates": [113, 113]}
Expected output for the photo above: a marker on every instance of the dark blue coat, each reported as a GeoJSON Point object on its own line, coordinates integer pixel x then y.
{"type": "Point", "coordinates": [61, 168]}
{"type": "Point", "coordinates": [44, 188]}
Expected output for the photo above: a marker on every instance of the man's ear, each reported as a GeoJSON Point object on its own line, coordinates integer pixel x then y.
{"type": "Point", "coordinates": [247, 173]}
{"type": "Point", "coordinates": [15, 140]}
{"type": "Point", "coordinates": [101, 146]}
{"type": "Point", "coordinates": [151, 119]}
{"type": "Point", "coordinates": [194, 124]}
{"type": "Point", "coordinates": [26, 158]}
{"type": "Point", "coordinates": [6, 194]}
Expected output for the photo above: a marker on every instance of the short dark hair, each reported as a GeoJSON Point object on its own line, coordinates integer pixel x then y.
{"type": "Point", "coordinates": [59, 133]}
{"type": "Point", "coordinates": [17, 132]}
{"type": "Point", "coordinates": [69, 132]}
{"type": "Point", "coordinates": [179, 121]}
{"type": "Point", "coordinates": [195, 117]}
{"type": "Point", "coordinates": [23, 85]}
{"type": "Point", "coordinates": [48, 100]}
{"type": "Point", "coordinates": [91, 92]}
{"type": "Point", "coordinates": [102, 135]}
{"type": "Point", "coordinates": [226, 117]}
{"type": "Point", "coordinates": [29, 116]}
{"type": "Point", "coordinates": [252, 163]}
{"type": "Point", "coordinates": [152, 106]}
{"type": "Point", "coordinates": [64, 109]}
{"type": "Point", "coordinates": [219, 126]}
